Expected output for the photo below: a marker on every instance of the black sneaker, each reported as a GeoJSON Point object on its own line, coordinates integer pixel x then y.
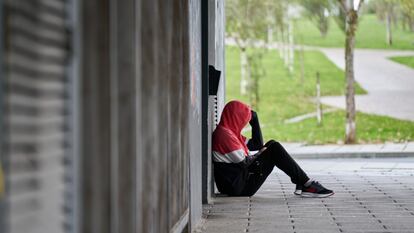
{"type": "Point", "coordinates": [298, 189]}
{"type": "Point", "coordinates": [315, 189]}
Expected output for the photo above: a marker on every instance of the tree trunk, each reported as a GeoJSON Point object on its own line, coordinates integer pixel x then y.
{"type": "Point", "coordinates": [350, 128]}
{"type": "Point", "coordinates": [244, 72]}
{"type": "Point", "coordinates": [411, 23]}
{"type": "Point", "coordinates": [286, 49]}
{"type": "Point", "coordinates": [280, 44]}
{"type": "Point", "coordinates": [254, 89]}
{"type": "Point", "coordinates": [269, 36]}
{"type": "Point", "coordinates": [323, 24]}
{"type": "Point", "coordinates": [291, 47]}
{"type": "Point", "coordinates": [389, 28]}
{"type": "Point", "coordinates": [404, 23]}
{"type": "Point", "coordinates": [302, 66]}
{"type": "Point", "coordinates": [318, 100]}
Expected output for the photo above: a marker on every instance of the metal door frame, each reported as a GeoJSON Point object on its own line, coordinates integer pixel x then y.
{"type": "Point", "coordinates": [74, 89]}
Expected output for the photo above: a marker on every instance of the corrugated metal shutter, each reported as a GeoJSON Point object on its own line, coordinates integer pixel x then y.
{"type": "Point", "coordinates": [36, 116]}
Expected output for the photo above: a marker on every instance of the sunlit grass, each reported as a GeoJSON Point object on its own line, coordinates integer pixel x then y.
{"type": "Point", "coordinates": [283, 96]}
{"type": "Point", "coordinates": [407, 60]}
{"type": "Point", "coordinates": [370, 34]}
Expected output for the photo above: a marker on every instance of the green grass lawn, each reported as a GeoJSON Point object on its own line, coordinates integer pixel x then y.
{"type": "Point", "coordinates": [407, 60]}
{"type": "Point", "coordinates": [370, 34]}
{"type": "Point", "coordinates": [282, 96]}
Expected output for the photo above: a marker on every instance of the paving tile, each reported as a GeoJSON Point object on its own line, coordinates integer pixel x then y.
{"type": "Point", "coordinates": [349, 149]}
{"type": "Point", "coordinates": [384, 165]}
{"type": "Point", "coordinates": [388, 150]}
{"type": "Point", "coordinates": [409, 147]}
{"type": "Point", "coordinates": [408, 166]}
{"type": "Point", "coordinates": [371, 148]}
{"type": "Point", "coordinates": [372, 195]}
{"type": "Point", "coordinates": [393, 147]}
{"type": "Point", "coordinates": [305, 150]}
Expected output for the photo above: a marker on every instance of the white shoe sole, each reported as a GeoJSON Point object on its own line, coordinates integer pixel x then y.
{"type": "Point", "coordinates": [316, 195]}
{"type": "Point", "coordinates": [298, 192]}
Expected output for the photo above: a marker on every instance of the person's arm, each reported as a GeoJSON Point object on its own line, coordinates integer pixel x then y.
{"type": "Point", "coordinates": [251, 158]}
{"type": "Point", "coordinates": [256, 142]}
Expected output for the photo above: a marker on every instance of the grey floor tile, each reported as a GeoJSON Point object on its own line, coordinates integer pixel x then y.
{"type": "Point", "coordinates": [372, 195]}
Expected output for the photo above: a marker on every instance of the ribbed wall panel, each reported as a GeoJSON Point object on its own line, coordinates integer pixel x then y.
{"type": "Point", "coordinates": [36, 115]}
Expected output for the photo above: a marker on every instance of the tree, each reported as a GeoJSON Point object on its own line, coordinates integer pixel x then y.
{"type": "Point", "coordinates": [247, 22]}
{"type": "Point", "coordinates": [340, 18]}
{"type": "Point", "coordinates": [351, 9]}
{"type": "Point", "coordinates": [386, 11]}
{"type": "Point", "coordinates": [256, 71]}
{"type": "Point", "coordinates": [282, 21]}
{"type": "Point", "coordinates": [407, 8]}
{"type": "Point", "coordinates": [278, 10]}
{"type": "Point", "coordinates": [318, 12]}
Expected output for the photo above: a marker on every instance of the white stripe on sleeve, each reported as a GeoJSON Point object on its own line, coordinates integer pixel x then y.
{"type": "Point", "coordinates": [235, 156]}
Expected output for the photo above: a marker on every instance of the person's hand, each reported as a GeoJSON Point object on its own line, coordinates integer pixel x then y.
{"type": "Point", "coordinates": [254, 117]}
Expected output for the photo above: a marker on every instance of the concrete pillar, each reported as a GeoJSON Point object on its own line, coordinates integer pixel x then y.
{"type": "Point", "coordinates": [216, 49]}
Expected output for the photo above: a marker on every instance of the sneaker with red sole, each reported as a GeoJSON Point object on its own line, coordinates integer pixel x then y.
{"type": "Point", "coordinates": [315, 189]}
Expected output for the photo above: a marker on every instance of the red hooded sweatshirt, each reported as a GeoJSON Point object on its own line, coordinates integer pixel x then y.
{"type": "Point", "coordinates": [229, 148]}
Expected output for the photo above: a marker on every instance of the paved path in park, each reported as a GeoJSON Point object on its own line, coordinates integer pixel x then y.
{"type": "Point", "coordinates": [371, 195]}
{"type": "Point", "coordinates": [390, 85]}
{"type": "Point", "coordinates": [381, 150]}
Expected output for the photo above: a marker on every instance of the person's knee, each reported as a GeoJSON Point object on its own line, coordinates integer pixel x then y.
{"type": "Point", "coordinates": [269, 143]}
{"type": "Point", "coordinates": [272, 143]}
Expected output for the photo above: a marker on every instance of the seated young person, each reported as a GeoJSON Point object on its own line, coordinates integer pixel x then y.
{"type": "Point", "coordinates": [237, 172]}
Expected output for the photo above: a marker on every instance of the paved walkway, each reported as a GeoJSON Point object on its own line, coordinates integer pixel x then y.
{"type": "Point", "coordinates": [299, 150]}
{"type": "Point", "coordinates": [390, 85]}
{"type": "Point", "coordinates": [372, 195]}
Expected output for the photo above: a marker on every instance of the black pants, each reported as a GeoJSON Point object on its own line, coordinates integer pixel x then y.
{"type": "Point", "coordinates": [260, 169]}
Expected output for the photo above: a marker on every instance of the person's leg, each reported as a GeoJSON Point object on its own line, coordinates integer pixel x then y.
{"type": "Point", "coordinates": [260, 169]}
{"type": "Point", "coordinates": [281, 158]}
{"type": "Point", "coordinates": [309, 188]}
{"type": "Point", "coordinates": [276, 155]}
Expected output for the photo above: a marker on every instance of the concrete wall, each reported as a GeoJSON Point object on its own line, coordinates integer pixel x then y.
{"type": "Point", "coordinates": [35, 137]}
{"type": "Point", "coordinates": [195, 111]}
{"type": "Point", "coordinates": [102, 115]}
{"type": "Point", "coordinates": [141, 116]}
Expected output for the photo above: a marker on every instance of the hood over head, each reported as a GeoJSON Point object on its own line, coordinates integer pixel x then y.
{"type": "Point", "coordinates": [227, 136]}
{"type": "Point", "coordinates": [235, 116]}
